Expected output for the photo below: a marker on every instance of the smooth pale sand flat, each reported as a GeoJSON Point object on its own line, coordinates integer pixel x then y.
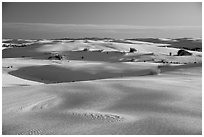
{"type": "Point", "coordinates": [168, 103]}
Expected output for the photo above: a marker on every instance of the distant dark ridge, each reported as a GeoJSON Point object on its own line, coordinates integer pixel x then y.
{"type": "Point", "coordinates": [17, 41]}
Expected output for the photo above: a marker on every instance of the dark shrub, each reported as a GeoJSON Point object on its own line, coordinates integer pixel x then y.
{"type": "Point", "coordinates": [133, 50]}
{"type": "Point", "coordinates": [57, 56]}
{"type": "Point", "coordinates": [85, 49]}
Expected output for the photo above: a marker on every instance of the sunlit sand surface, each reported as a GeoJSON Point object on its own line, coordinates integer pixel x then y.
{"type": "Point", "coordinates": [101, 93]}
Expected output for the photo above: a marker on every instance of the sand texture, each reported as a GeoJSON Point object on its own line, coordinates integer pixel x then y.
{"type": "Point", "coordinates": [102, 93]}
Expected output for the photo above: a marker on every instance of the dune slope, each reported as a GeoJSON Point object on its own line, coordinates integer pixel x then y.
{"type": "Point", "coordinates": [129, 105]}
{"type": "Point", "coordinates": [97, 88]}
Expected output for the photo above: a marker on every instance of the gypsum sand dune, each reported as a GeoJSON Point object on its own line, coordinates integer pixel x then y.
{"type": "Point", "coordinates": [9, 80]}
{"type": "Point", "coordinates": [31, 52]}
{"type": "Point", "coordinates": [91, 71]}
{"type": "Point", "coordinates": [34, 53]}
{"type": "Point", "coordinates": [138, 105]}
{"type": "Point", "coordinates": [113, 54]}
{"type": "Point", "coordinates": [12, 64]}
{"type": "Point", "coordinates": [166, 68]}
{"type": "Point", "coordinates": [34, 110]}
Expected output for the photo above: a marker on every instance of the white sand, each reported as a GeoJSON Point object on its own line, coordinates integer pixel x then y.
{"type": "Point", "coordinates": [138, 105]}
{"type": "Point", "coordinates": [105, 98]}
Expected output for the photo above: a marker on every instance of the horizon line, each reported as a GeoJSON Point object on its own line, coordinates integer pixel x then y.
{"type": "Point", "coordinates": [104, 26]}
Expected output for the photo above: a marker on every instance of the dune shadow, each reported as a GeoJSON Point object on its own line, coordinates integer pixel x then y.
{"type": "Point", "coordinates": [109, 56]}
{"type": "Point", "coordinates": [54, 74]}
{"type": "Point", "coordinates": [28, 51]}
{"type": "Point", "coordinates": [33, 52]}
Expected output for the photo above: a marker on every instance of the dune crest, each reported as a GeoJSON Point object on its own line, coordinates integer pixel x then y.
{"type": "Point", "coordinates": [100, 86]}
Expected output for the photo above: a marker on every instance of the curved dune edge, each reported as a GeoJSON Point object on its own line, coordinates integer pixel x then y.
{"type": "Point", "coordinates": [58, 74]}
{"type": "Point", "coordinates": [11, 81]}
{"type": "Point", "coordinates": [98, 91]}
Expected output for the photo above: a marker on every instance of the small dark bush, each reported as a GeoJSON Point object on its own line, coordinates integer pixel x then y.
{"type": "Point", "coordinates": [85, 49]}
{"type": "Point", "coordinates": [132, 50]}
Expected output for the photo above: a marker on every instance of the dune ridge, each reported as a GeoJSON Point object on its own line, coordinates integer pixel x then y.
{"type": "Point", "coordinates": [102, 93]}
{"type": "Point", "coordinates": [133, 103]}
